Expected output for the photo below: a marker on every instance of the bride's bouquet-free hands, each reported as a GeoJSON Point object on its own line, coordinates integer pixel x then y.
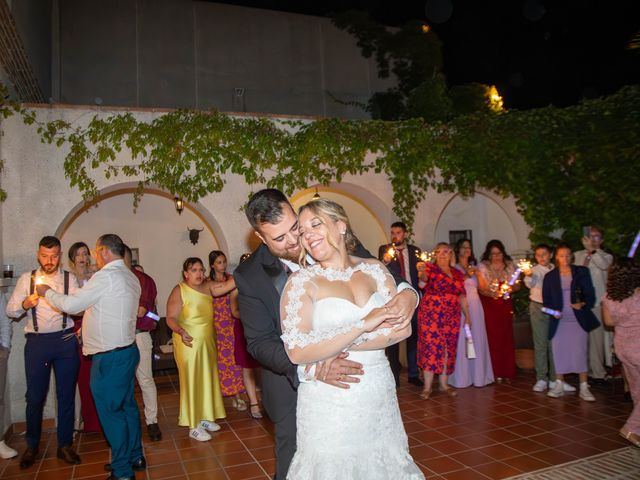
{"type": "Point", "coordinates": [378, 316]}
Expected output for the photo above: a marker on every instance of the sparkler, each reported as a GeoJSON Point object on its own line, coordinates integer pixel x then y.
{"type": "Point", "coordinates": [392, 252]}
{"type": "Point", "coordinates": [634, 246]}
{"type": "Point", "coordinates": [425, 256]}
{"type": "Point", "coordinates": [550, 311]}
{"type": "Point", "coordinates": [525, 265]}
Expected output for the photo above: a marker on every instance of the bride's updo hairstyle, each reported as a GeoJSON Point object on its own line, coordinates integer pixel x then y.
{"type": "Point", "coordinates": [323, 207]}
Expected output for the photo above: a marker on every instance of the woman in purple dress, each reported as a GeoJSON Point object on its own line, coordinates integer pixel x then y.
{"type": "Point", "coordinates": [568, 290]}
{"type": "Point", "coordinates": [471, 371]}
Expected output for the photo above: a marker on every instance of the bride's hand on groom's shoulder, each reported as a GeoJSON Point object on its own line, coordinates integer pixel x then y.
{"type": "Point", "coordinates": [339, 371]}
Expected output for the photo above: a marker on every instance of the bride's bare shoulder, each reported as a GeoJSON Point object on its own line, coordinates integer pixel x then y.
{"type": "Point", "coordinates": [366, 261]}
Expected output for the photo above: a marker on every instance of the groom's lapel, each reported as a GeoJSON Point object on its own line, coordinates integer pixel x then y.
{"type": "Point", "coordinates": [277, 274]}
{"type": "Point", "coordinates": [274, 269]}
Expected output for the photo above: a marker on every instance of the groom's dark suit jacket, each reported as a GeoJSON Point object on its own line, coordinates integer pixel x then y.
{"type": "Point", "coordinates": [260, 281]}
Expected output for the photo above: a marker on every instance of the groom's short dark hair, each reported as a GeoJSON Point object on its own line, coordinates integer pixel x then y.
{"type": "Point", "coordinates": [265, 206]}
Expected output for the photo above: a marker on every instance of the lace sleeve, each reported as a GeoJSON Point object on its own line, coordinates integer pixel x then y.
{"type": "Point", "coordinates": [385, 284]}
{"type": "Point", "coordinates": [296, 312]}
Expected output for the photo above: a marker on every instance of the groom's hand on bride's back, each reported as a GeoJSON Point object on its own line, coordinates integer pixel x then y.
{"type": "Point", "coordinates": [339, 371]}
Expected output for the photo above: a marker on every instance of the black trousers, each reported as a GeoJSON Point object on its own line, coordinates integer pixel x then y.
{"type": "Point", "coordinates": [393, 353]}
{"type": "Point", "coordinates": [285, 433]}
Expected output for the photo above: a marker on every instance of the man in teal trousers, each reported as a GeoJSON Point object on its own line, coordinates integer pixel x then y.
{"type": "Point", "coordinates": [110, 302]}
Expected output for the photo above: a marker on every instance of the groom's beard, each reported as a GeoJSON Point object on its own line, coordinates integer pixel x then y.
{"type": "Point", "coordinates": [292, 255]}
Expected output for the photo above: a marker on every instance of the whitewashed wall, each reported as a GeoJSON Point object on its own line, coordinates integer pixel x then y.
{"type": "Point", "coordinates": [40, 202]}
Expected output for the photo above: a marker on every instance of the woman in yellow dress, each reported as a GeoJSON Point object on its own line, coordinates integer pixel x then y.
{"type": "Point", "coordinates": [190, 317]}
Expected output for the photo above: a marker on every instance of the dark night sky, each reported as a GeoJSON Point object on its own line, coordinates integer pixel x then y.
{"type": "Point", "coordinates": [576, 49]}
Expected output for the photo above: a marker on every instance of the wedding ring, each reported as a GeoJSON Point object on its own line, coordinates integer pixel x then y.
{"type": "Point", "coordinates": [339, 376]}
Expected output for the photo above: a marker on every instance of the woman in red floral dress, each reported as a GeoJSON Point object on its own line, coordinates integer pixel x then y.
{"type": "Point", "coordinates": [439, 318]}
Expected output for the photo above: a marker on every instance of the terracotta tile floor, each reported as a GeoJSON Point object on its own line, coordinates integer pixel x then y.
{"type": "Point", "coordinates": [492, 432]}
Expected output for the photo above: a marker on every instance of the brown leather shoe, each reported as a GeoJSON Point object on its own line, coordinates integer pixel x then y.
{"type": "Point", "coordinates": [69, 455]}
{"type": "Point", "coordinates": [28, 457]}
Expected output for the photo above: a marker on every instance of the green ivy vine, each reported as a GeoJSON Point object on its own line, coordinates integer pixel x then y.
{"type": "Point", "coordinates": [566, 167]}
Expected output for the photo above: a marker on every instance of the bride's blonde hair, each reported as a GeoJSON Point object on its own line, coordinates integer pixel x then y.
{"type": "Point", "coordinates": [323, 207]}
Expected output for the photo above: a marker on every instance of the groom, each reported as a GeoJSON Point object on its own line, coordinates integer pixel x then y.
{"type": "Point", "coordinates": [260, 281]}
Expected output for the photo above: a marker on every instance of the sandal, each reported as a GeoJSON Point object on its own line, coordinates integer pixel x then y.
{"type": "Point", "coordinates": [449, 391]}
{"type": "Point", "coordinates": [254, 411]}
{"type": "Point", "coordinates": [633, 438]}
{"type": "Point", "coordinates": [239, 404]}
{"type": "Point", "coordinates": [425, 394]}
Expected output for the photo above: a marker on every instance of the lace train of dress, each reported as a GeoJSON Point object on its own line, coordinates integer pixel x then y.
{"type": "Point", "coordinates": [355, 433]}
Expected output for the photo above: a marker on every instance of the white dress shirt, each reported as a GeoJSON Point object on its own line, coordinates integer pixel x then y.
{"type": "Point", "coordinates": [534, 281]}
{"type": "Point", "coordinates": [598, 265]}
{"type": "Point", "coordinates": [110, 302]}
{"type": "Point", "coordinates": [48, 316]}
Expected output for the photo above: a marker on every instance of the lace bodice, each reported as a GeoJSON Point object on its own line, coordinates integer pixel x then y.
{"type": "Point", "coordinates": [310, 317]}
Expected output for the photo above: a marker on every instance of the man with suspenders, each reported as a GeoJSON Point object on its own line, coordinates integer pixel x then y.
{"type": "Point", "coordinates": [50, 342]}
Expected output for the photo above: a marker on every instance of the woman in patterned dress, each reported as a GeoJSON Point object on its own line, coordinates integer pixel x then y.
{"type": "Point", "coordinates": [229, 373]}
{"type": "Point", "coordinates": [439, 318]}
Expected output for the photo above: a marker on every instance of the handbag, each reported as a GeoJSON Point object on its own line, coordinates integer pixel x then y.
{"type": "Point", "coordinates": [470, 350]}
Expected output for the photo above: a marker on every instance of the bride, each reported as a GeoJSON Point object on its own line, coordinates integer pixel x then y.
{"type": "Point", "coordinates": [327, 308]}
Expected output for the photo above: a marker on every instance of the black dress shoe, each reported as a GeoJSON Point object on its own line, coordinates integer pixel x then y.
{"type": "Point", "coordinates": [28, 457]}
{"type": "Point", "coordinates": [416, 381]}
{"type": "Point", "coordinates": [113, 477]}
{"type": "Point", "coordinates": [153, 430]}
{"type": "Point", "coordinates": [67, 454]}
{"type": "Point", "coordinates": [138, 465]}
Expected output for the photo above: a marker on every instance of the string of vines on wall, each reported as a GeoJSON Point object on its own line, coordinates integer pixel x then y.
{"type": "Point", "coordinates": [565, 167]}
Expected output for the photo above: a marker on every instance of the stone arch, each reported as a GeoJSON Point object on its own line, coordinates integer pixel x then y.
{"type": "Point", "coordinates": [197, 208]}
{"type": "Point", "coordinates": [496, 210]}
{"type": "Point", "coordinates": [156, 230]}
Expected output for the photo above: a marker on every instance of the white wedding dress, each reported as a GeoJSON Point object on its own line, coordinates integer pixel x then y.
{"type": "Point", "coordinates": [355, 433]}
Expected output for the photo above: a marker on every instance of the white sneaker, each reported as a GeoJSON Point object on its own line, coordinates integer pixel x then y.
{"type": "Point", "coordinates": [211, 426]}
{"type": "Point", "coordinates": [585, 393]}
{"type": "Point", "coordinates": [540, 386]}
{"type": "Point", "coordinates": [6, 451]}
{"type": "Point", "coordinates": [568, 387]}
{"type": "Point", "coordinates": [557, 390]}
{"type": "Point", "coordinates": [199, 434]}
